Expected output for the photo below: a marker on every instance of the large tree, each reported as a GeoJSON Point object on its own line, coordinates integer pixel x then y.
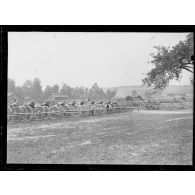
{"type": "Point", "coordinates": [55, 88]}
{"type": "Point", "coordinates": [11, 85]}
{"type": "Point", "coordinates": [95, 92]}
{"type": "Point", "coordinates": [27, 88]}
{"type": "Point", "coordinates": [36, 89]}
{"type": "Point", "coordinates": [110, 93]}
{"type": "Point", "coordinates": [66, 90]}
{"type": "Point", "coordinates": [148, 94]}
{"type": "Point", "coordinates": [169, 64]}
{"type": "Point", "coordinates": [19, 94]}
{"type": "Point", "coordinates": [47, 92]}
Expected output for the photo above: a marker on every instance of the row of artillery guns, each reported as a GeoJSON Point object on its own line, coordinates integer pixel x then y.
{"type": "Point", "coordinates": [37, 111]}
{"type": "Point", "coordinates": [161, 104]}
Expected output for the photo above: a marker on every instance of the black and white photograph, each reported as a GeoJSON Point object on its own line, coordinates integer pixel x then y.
{"type": "Point", "coordinates": [102, 98]}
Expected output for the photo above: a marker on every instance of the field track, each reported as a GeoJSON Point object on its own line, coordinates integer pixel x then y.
{"type": "Point", "coordinates": [146, 137]}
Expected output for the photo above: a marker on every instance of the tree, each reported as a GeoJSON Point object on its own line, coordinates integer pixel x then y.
{"type": "Point", "coordinates": [11, 85]}
{"type": "Point", "coordinates": [78, 92]}
{"type": "Point", "coordinates": [86, 93]}
{"type": "Point", "coordinates": [66, 90]}
{"type": "Point", "coordinates": [36, 89]}
{"type": "Point", "coordinates": [27, 88]}
{"type": "Point", "coordinates": [94, 91]}
{"type": "Point", "coordinates": [129, 98]}
{"type": "Point", "coordinates": [139, 97]}
{"type": "Point", "coordinates": [169, 64]}
{"type": "Point", "coordinates": [134, 93]}
{"type": "Point", "coordinates": [101, 94]}
{"type": "Point", "coordinates": [110, 94]}
{"type": "Point", "coordinates": [19, 94]}
{"type": "Point", "coordinates": [148, 94]}
{"type": "Point", "coordinates": [55, 88]}
{"type": "Point", "coordinates": [47, 92]}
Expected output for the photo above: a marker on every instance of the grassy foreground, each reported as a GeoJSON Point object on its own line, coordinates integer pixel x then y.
{"type": "Point", "coordinates": [148, 137]}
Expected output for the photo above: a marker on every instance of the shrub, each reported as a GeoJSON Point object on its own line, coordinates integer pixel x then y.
{"type": "Point", "coordinates": [129, 98]}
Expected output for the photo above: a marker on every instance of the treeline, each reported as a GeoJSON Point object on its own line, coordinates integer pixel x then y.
{"type": "Point", "coordinates": [33, 89]}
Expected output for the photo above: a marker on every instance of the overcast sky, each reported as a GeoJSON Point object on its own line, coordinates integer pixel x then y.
{"type": "Point", "coordinates": [81, 59]}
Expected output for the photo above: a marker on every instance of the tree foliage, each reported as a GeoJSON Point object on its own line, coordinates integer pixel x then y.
{"type": "Point", "coordinates": [169, 63]}
{"type": "Point", "coordinates": [36, 89]}
{"type": "Point", "coordinates": [96, 92]}
{"type": "Point", "coordinates": [27, 88]}
{"type": "Point", "coordinates": [139, 97]}
{"type": "Point", "coordinates": [66, 90]}
{"type": "Point", "coordinates": [110, 94]}
{"type": "Point", "coordinates": [11, 85]}
{"type": "Point", "coordinates": [55, 88]}
{"type": "Point", "coordinates": [148, 94]}
{"type": "Point", "coordinates": [134, 93]}
{"type": "Point", "coordinates": [129, 98]}
{"type": "Point", "coordinates": [47, 93]}
{"type": "Point", "coordinates": [33, 89]}
{"type": "Point", "coordinates": [19, 94]}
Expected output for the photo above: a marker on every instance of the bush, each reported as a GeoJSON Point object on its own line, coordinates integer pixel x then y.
{"type": "Point", "coordinates": [139, 97]}
{"type": "Point", "coordinates": [129, 98]}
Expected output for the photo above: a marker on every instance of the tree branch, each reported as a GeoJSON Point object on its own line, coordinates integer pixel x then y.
{"type": "Point", "coordinates": [185, 66]}
{"type": "Point", "coordinates": [188, 65]}
{"type": "Point", "coordinates": [188, 69]}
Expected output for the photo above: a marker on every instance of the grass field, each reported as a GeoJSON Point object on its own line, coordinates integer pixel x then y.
{"type": "Point", "coordinates": [146, 137]}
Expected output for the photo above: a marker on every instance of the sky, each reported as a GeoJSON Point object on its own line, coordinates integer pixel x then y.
{"type": "Point", "coordinates": [82, 59]}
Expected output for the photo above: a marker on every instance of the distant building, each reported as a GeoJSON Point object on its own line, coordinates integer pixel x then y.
{"type": "Point", "coordinates": [176, 95]}
{"type": "Point", "coordinates": [58, 98]}
{"type": "Point", "coordinates": [189, 95]}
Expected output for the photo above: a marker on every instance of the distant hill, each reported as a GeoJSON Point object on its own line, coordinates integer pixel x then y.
{"type": "Point", "coordinates": [124, 91]}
